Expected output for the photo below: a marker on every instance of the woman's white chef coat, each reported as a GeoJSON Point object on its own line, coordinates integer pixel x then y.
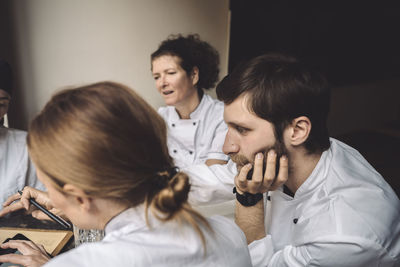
{"type": "Point", "coordinates": [129, 241]}
{"type": "Point", "coordinates": [16, 170]}
{"type": "Point", "coordinates": [199, 138]}
{"type": "Point", "coordinates": [344, 214]}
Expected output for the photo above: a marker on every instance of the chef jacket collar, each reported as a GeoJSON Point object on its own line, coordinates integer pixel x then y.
{"type": "Point", "coordinates": [196, 114]}
{"type": "Point", "coordinates": [317, 176]}
{"type": "Point", "coordinates": [132, 217]}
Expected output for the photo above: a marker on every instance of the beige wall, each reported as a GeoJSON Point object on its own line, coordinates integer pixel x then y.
{"type": "Point", "coordinates": [72, 42]}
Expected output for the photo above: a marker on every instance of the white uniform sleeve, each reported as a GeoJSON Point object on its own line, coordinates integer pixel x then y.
{"type": "Point", "coordinates": [261, 251]}
{"type": "Point", "coordinates": [218, 142]}
{"type": "Point", "coordinates": [211, 184]}
{"type": "Point", "coordinates": [325, 252]}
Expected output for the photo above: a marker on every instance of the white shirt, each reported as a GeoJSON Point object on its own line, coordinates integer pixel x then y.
{"type": "Point", "coordinates": [344, 214]}
{"type": "Point", "coordinates": [199, 138]}
{"type": "Point", "coordinates": [128, 241]}
{"type": "Point", "coordinates": [16, 169]}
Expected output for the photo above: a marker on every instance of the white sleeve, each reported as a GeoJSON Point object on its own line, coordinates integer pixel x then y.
{"type": "Point", "coordinates": [218, 142]}
{"type": "Point", "coordinates": [261, 251]}
{"type": "Point", "coordinates": [211, 184]}
{"type": "Point", "coordinates": [325, 252]}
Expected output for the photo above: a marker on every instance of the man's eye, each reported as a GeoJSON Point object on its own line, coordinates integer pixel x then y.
{"type": "Point", "coordinates": [156, 78]}
{"type": "Point", "coordinates": [241, 130]}
{"type": "Point", "coordinates": [171, 72]}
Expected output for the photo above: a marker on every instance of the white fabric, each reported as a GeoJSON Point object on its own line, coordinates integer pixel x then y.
{"type": "Point", "coordinates": [347, 215]}
{"type": "Point", "coordinates": [199, 138]}
{"type": "Point", "coordinates": [16, 170]}
{"type": "Point", "coordinates": [211, 188]}
{"type": "Point", "coordinates": [130, 242]}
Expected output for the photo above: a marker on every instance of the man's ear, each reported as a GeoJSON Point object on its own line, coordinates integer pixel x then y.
{"type": "Point", "coordinates": [194, 75]}
{"type": "Point", "coordinates": [78, 197]}
{"type": "Point", "coordinates": [300, 129]}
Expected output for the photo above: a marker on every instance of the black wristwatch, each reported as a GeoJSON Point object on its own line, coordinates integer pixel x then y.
{"type": "Point", "coordinates": [247, 199]}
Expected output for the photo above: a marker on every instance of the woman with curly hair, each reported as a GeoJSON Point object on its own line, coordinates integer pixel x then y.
{"type": "Point", "coordinates": [102, 154]}
{"type": "Point", "coordinates": [183, 67]}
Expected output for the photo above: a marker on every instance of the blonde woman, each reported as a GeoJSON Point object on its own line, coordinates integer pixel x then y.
{"type": "Point", "coordinates": [101, 151]}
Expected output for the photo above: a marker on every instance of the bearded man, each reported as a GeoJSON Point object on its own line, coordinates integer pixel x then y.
{"type": "Point", "coordinates": [302, 198]}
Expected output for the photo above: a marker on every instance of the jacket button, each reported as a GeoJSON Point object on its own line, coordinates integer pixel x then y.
{"type": "Point", "coordinates": [295, 220]}
{"type": "Point", "coordinates": [175, 151]}
{"type": "Point", "coordinates": [190, 152]}
{"type": "Point", "coordinates": [173, 125]}
{"type": "Point", "coordinates": [269, 198]}
{"type": "Point", "coordinates": [194, 123]}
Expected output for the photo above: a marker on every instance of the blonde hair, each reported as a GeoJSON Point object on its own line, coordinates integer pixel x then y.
{"type": "Point", "coordinates": [105, 139]}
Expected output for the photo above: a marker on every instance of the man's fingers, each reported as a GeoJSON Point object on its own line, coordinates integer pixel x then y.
{"type": "Point", "coordinates": [257, 178]}
{"type": "Point", "coordinates": [283, 173]}
{"type": "Point", "coordinates": [269, 175]}
{"type": "Point", "coordinates": [241, 178]}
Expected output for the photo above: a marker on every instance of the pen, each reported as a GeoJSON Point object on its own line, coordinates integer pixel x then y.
{"type": "Point", "coordinates": [56, 218]}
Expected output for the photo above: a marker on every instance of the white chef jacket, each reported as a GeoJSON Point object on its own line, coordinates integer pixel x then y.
{"type": "Point", "coordinates": [344, 214]}
{"type": "Point", "coordinates": [16, 169]}
{"type": "Point", "coordinates": [194, 140]}
{"type": "Point", "coordinates": [128, 241]}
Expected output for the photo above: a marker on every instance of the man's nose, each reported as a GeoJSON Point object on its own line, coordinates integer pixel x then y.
{"type": "Point", "coordinates": [229, 145]}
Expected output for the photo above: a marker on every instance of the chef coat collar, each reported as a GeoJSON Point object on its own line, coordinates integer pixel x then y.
{"type": "Point", "coordinates": [317, 176]}
{"type": "Point", "coordinates": [132, 217]}
{"type": "Point", "coordinates": [197, 113]}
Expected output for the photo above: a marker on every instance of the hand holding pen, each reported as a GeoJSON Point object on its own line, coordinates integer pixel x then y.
{"type": "Point", "coordinates": [40, 198]}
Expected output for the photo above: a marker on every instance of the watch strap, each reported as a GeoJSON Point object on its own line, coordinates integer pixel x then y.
{"type": "Point", "coordinates": [247, 199]}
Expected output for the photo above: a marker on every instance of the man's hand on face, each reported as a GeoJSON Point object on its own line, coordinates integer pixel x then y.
{"type": "Point", "coordinates": [262, 182]}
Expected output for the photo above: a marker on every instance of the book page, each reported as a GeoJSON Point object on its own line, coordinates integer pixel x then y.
{"type": "Point", "coordinates": [52, 240]}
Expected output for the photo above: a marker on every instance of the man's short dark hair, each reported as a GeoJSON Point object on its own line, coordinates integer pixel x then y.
{"type": "Point", "coordinates": [280, 89]}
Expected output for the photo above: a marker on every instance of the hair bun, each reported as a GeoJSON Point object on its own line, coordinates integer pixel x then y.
{"type": "Point", "coordinates": [170, 199]}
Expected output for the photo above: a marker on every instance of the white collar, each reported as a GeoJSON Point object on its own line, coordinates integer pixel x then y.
{"type": "Point", "coordinates": [133, 217]}
{"type": "Point", "coordinates": [197, 113]}
{"type": "Point", "coordinates": [317, 176]}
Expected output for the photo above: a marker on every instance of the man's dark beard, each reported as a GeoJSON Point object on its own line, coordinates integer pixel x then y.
{"type": "Point", "coordinates": [241, 160]}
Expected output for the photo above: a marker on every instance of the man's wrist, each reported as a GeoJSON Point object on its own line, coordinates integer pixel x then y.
{"type": "Point", "coordinates": [247, 199]}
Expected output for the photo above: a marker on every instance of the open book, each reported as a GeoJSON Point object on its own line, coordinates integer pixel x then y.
{"type": "Point", "coordinates": [52, 240]}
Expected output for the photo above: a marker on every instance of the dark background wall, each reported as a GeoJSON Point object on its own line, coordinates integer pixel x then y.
{"type": "Point", "coordinates": [351, 41]}
{"type": "Point", "coordinates": [8, 48]}
{"type": "Point", "coordinates": [6, 40]}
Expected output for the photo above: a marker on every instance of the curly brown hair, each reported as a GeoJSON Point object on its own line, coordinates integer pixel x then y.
{"type": "Point", "coordinates": [192, 52]}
